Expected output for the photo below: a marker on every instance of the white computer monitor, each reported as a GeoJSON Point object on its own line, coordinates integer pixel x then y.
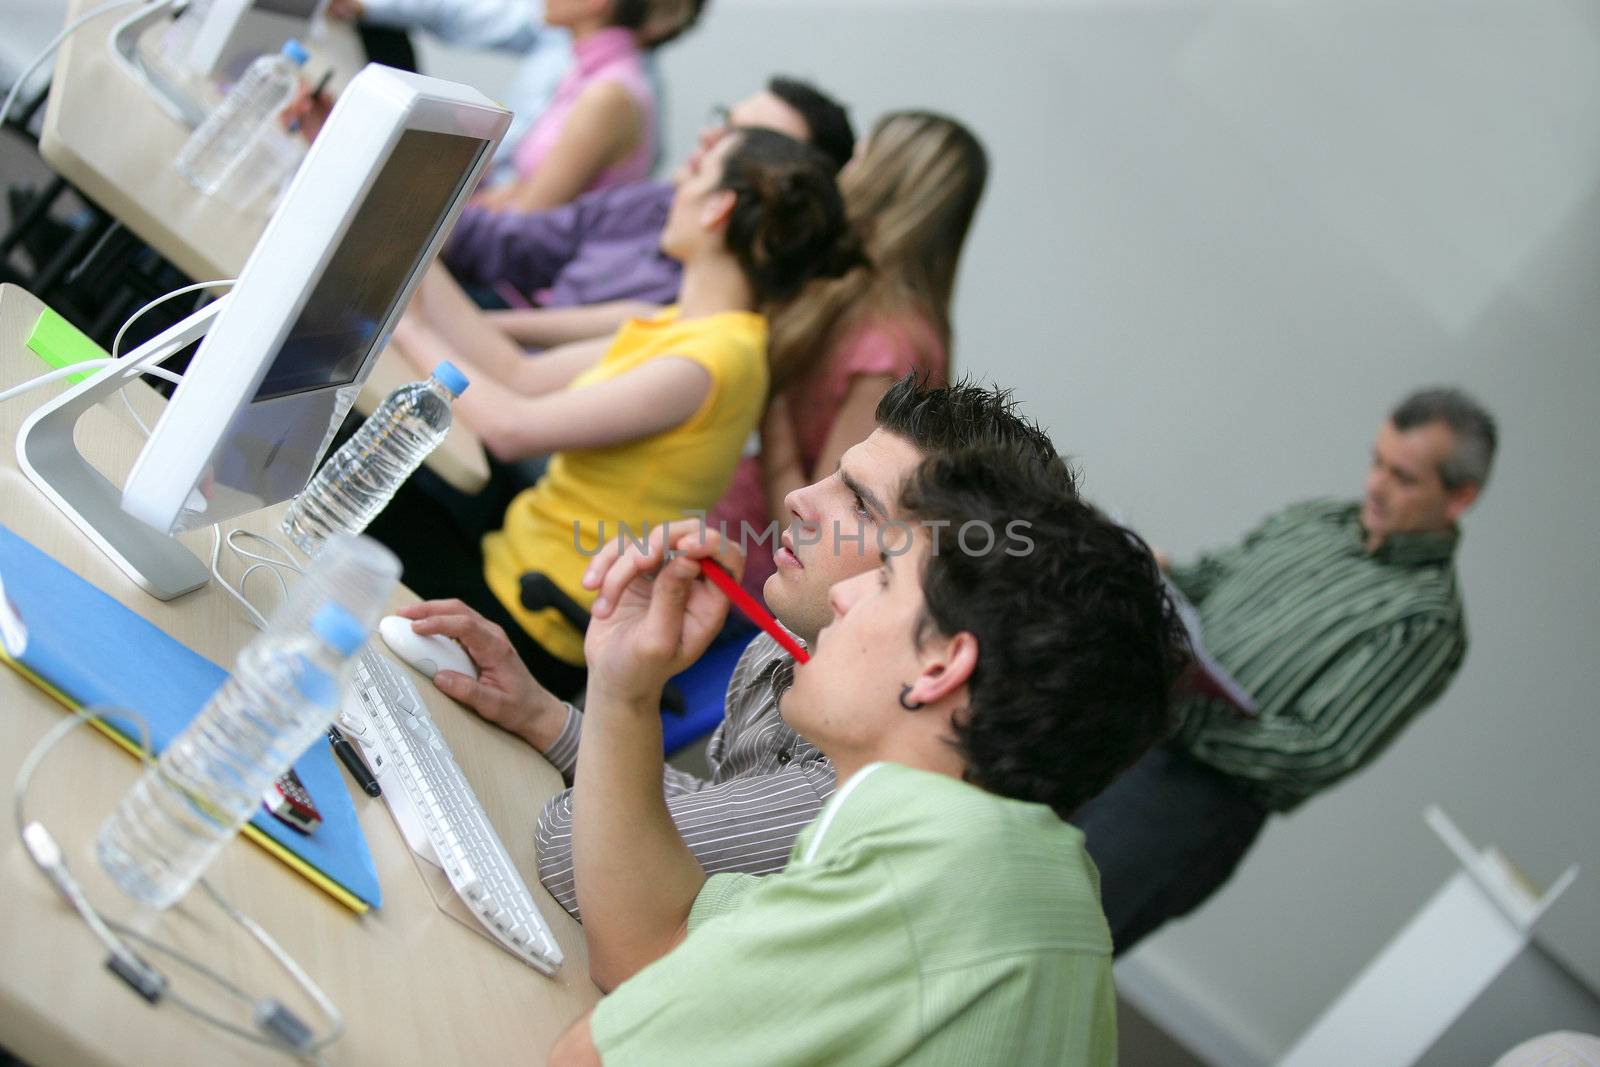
{"type": "Point", "coordinates": [285, 357]}
{"type": "Point", "coordinates": [285, 353]}
{"type": "Point", "coordinates": [232, 33]}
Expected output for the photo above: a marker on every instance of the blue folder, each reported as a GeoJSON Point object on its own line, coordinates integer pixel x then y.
{"type": "Point", "coordinates": [86, 649]}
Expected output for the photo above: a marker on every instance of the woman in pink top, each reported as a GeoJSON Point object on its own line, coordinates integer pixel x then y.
{"type": "Point", "coordinates": [912, 191]}
{"type": "Point", "coordinates": [601, 128]}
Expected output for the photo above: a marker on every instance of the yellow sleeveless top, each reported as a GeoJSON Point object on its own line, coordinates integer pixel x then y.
{"type": "Point", "coordinates": [556, 525]}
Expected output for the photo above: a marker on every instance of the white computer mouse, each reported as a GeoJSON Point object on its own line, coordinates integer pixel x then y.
{"type": "Point", "coordinates": [428, 653]}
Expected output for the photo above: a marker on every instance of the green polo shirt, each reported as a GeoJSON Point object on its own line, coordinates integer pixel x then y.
{"type": "Point", "coordinates": [1340, 647]}
{"type": "Point", "coordinates": [920, 920]}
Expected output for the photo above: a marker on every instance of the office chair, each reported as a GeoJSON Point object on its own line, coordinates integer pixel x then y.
{"type": "Point", "coordinates": [538, 592]}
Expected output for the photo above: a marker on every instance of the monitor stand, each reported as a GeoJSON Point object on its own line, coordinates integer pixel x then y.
{"type": "Point", "coordinates": [50, 458]}
{"type": "Point", "coordinates": [184, 102]}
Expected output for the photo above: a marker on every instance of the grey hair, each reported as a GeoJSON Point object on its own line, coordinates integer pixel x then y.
{"type": "Point", "coordinates": [1473, 427]}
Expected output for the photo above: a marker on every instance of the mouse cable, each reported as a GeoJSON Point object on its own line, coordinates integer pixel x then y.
{"type": "Point", "coordinates": [116, 342]}
{"type": "Point", "coordinates": [276, 1026]}
{"type": "Point", "coordinates": [273, 565]}
{"type": "Point", "coordinates": [55, 42]}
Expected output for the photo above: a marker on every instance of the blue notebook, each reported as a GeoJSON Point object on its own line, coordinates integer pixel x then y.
{"type": "Point", "coordinates": [86, 649]}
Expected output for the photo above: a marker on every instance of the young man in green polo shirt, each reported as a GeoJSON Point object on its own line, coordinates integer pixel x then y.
{"type": "Point", "coordinates": [1010, 654]}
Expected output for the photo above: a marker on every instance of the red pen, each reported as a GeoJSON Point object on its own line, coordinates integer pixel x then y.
{"type": "Point", "coordinates": [752, 608]}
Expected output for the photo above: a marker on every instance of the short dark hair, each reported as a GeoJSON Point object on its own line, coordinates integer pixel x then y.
{"type": "Point", "coordinates": [629, 14]}
{"type": "Point", "coordinates": [1476, 435]}
{"type": "Point", "coordinates": [1078, 643]}
{"type": "Point", "coordinates": [788, 223]}
{"type": "Point", "coordinates": [635, 15]}
{"type": "Point", "coordinates": [826, 119]}
{"type": "Point", "coordinates": [964, 415]}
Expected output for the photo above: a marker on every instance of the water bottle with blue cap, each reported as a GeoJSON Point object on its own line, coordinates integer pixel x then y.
{"type": "Point", "coordinates": [225, 139]}
{"type": "Point", "coordinates": [360, 479]}
{"type": "Point", "coordinates": [284, 692]}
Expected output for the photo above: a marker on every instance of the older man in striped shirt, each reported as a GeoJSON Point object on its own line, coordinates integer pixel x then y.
{"type": "Point", "coordinates": [1343, 620]}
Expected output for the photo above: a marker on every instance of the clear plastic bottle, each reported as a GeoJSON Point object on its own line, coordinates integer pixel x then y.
{"type": "Point", "coordinates": [363, 476]}
{"type": "Point", "coordinates": [357, 573]}
{"type": "Point", "coordinates": [210, 155]}
{"type": "Point", "coordinates": [283, 693]}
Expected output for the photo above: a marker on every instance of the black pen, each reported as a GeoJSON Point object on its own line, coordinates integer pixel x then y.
{"type": "Point", "coordinates": [322, 86]}
{"type": "Point", "coordinates": [353, 762]}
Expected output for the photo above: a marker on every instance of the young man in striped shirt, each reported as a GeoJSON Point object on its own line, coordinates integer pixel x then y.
{"type": "Point", "coordinates": [766, 781]}
{"type": "Point", "coordinates": [1009, 654]}
{"type": "Point", "coordinates": [1343, 620]}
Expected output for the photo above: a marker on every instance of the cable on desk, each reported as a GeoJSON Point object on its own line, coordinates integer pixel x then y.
{"type": "Point", "coordinates": [78, 368]}
{"type": "Point", "coordinates": [55, 42]}
{"type": "Point", "coordinates": [115, 357]}
{"type": "Point", "coordinates": [276, 1026]}
{"type": "Point", "coordinates": [116, 342]}
{"type": "Point", "coordinates": [273, 566]}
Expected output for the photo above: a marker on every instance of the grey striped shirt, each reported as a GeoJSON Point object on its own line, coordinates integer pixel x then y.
{"type": "Point", "coordinates": [1340, 647]}
{"type": "Point", "coordinates": [766, 784]}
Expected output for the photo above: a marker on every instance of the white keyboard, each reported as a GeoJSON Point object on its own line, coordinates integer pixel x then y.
{"type": "Point", "coordinates": [431, 800]}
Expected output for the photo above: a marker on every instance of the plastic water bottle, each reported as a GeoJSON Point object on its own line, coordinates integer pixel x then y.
{"type": "Point", "coordinates": [357, 573]}
{"type": "Point", "coordinates": [224, 139]}
{"type": "Point", "coordinates": [283, 693]}
{"type": "Point", "coordinates": [363, 476]}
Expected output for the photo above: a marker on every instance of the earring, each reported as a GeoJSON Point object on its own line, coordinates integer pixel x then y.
{"type": "Point", "coordinates": [909, 705]}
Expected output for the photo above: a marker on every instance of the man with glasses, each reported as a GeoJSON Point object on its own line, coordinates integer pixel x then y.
{"type": "Point", "coordinates": [605, 246]}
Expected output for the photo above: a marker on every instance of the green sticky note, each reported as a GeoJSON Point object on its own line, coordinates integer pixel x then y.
{"type": "Point", "coordinates": [61, 344]}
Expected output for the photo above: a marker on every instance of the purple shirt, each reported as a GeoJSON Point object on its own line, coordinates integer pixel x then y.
{"type": "Point", "coordinates": [602, 246]}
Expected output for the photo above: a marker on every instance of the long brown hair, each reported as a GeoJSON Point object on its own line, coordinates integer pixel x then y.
{"type": "Point", "coordinates": [911, 196]}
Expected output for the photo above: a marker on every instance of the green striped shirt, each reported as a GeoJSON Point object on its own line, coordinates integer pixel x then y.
{"type": "Point", "coordinates": [1340, 647]}
{"type": "Point", "coordinates": [920, 921]}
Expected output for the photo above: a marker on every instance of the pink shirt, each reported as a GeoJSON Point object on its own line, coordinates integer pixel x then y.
{"type": "Point", "coordinates": [610, 55]}
{"type": "Point", "coordinates": [890, 347]}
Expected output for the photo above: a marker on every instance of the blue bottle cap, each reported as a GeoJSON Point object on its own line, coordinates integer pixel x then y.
{"type": "Point", "coordinates": [338, 629]}
{"type": "Point", "coordinates": [296, 51]}
{"type": "Point", "coordinates": [316, 686]}
{"type": "Point", "coordinates": [451, 378]}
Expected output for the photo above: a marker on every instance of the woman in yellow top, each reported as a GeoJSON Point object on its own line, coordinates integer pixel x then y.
{"type": "Point", "coordinates": [646, 425]}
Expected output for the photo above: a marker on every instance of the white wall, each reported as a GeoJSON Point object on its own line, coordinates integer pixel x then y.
{"type": "Point", "coordinates": [1219, 240]}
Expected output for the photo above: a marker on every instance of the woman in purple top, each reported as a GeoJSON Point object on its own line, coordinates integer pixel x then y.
{"type": "Point", "coordinates": [601, 129]}
{"type": "Point", "coordinates": [911, 191]}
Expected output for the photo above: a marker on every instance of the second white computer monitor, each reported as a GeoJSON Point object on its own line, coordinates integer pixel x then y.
{"type": "Point", "coordinates": [231, 33]}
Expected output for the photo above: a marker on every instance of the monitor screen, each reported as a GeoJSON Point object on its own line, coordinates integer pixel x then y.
{"type": "Point", "coordinates": [287, 352]}
{"type": "Point", "coordinates": [300, 9]}
{"type": "Point", "coordinates": [371, 264]}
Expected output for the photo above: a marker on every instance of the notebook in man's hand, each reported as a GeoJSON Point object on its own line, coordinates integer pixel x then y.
{"type": "Point", "coordinates": [1205, 676]}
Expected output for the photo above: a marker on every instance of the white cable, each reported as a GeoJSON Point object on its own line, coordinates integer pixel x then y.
{"type": "Point", "coordinates": [273, 566]}
{"type": "Point", "coordinates": [76, 368]}
{"type": "Point", "coordinates": [288, 563]}
{"type": "Point", "coordinates": [55, 42]}
{"type": "Point", "coordinates": [256, 617]}
{"type": "Point", "coordinates": [116, 342]}
{"type": "Point", "coordinates": [54, 868]}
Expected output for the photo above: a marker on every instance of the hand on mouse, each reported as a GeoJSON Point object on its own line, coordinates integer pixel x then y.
{"type": "Point", "coordinates": [504, 693]}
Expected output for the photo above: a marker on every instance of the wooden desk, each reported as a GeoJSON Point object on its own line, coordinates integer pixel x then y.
{"type": "Point", "coordinates": [106, 135]}
{"type": "Point", "coordinates": [415, 986]}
